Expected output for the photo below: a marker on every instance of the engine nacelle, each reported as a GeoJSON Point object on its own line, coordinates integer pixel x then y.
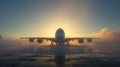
{"type": "Point", "coordinates": [81, 41]}
{"type": "Point", "coordinates": [89, 40]}
{"type": "Point", "coordinates": [39, 40]}
{"type": "Point", "coordinates": [31, 40]}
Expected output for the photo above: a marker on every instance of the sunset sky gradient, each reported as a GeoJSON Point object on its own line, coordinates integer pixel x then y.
{"type": "Point", "coordinates": [25, 18]}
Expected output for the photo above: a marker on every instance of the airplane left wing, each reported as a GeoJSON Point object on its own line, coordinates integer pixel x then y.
{"type": "Point", "coordinates": [73, 38]}
{"type": "Point", "coordinates": [81, 39]}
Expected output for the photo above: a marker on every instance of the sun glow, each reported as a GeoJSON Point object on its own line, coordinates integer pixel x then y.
{"type": "Point", "coordinates": [59, 22]}
{"type": "Point", "coordinates": [64, 15]}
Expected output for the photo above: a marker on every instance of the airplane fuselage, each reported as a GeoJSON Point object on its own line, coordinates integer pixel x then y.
{"type": "Point", "coordinates": [60, 36]}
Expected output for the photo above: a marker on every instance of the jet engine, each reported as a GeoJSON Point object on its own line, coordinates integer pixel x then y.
{"type": "Point", "coordinates": [81, 41]}
{"type": "Point", "coordinates": [39, 40]}
{"type": "Point", "coordinates": [31, 40]}
{"type": "Point", "coordinates": [89, 40]}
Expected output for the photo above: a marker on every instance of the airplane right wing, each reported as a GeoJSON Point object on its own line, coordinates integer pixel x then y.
{"type": "Point", "coordinates": [39, 39]}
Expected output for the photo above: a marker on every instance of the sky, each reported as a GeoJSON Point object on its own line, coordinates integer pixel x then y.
{"type": "Point", "coordinates": [25, 18]}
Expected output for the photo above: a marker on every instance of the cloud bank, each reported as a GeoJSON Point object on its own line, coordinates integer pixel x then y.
{"type": "Point", "coordinates": [109, 42]}
{"type": "Point", "coordinates": [106, 35]}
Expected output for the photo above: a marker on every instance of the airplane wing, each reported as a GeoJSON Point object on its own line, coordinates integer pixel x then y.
{"type": "Point", "coordinates": [39, 39]}
{"type": "Point", "coordinates": [81, 39]}
{"type": "Point", "coordinates": [73, 38]}
{"type": "Point", "coordinates": [47, 38]}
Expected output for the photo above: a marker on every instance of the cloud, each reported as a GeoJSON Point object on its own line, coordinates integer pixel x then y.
{"type": "Point", "coordinates": [106, 35]}
{"type": "Point", "coordinates": [109, 42]}
{"type": "Point", "coordinates": [10, 44]}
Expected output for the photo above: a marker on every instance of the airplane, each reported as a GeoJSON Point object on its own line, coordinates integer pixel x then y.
{"type": "Point", "coordinates": [59, 38]}
{"type": "Point", "coordinates": [60, 41]}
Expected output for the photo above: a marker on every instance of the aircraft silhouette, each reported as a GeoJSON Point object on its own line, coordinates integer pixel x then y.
{"type": "Point", "coordinates": [59, 40]}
